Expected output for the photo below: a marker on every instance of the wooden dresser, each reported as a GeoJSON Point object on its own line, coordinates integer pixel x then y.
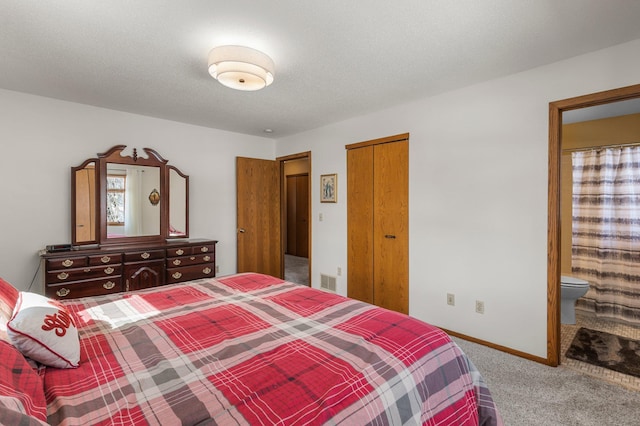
{"type": "Point", "coordinates": [118, 268]}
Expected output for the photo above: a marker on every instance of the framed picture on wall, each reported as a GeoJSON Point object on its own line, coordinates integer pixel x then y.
{"type": "Point", "coordinates": [329, 188]}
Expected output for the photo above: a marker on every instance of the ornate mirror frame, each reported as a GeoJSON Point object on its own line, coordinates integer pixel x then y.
{"type": "Point", "coordinates": [89, 198]}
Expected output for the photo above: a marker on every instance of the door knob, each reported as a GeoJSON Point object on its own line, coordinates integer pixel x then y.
{"type": "Point", "coordinates": [390, 236]}
{"type": "Point", "coordinates": [241, 230]}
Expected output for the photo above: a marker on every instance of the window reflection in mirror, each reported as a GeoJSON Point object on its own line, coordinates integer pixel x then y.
{"type": "Point", "coordinates": [129, 211]}
{"type": "Point", "coordinates": [177, 204]}
{"type": "Point", "coordinates": [116, 184]}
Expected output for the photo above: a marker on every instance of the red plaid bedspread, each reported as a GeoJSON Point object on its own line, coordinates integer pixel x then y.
{"type": "Point", "coordinates": [252, 349]}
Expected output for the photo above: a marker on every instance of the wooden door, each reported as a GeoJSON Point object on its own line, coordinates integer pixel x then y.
{"type": "Point", "coordinates": [258, 216]}
{"type": "Point", "coordinates": [360, 224]}
{"type": "Point", "coordinates": [302, 216]}
{"type": "Point", "coordinates": [377, 222]}
{"type": "Point", "coordinates": [391, 226]}
{"type": "Point", "coordinates": [291, 215]}
{"type": "Point", "coordinates": [298, 215]}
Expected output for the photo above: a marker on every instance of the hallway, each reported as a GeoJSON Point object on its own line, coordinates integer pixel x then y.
{"type": "Point", "coordinates": [296, 269]}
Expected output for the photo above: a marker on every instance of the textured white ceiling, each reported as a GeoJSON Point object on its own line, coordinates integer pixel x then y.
{"type": "Point", "coordinates": [334, 59]}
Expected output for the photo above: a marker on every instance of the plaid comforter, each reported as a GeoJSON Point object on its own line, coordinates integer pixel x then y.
{"type": "Point", "coordinates": [253, 349]}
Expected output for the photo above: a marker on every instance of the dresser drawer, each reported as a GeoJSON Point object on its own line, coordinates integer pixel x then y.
{"type": "Point", "coordinates": [139, 256]}
{"type": "Point", "coordinates": [67, 262]}
{"type": "Point", "coordinates": [105, 259]}
{"type": "Point", "coordinates": [85, 288]}
{"type": "Point", "coordinates": [193, 272]}
{"type": "Point", "coordinates": [193, 259]}
{"type": "Point", "coordinates": [189, 250]}
{"type": "Point", "coordinates": [66, 275]}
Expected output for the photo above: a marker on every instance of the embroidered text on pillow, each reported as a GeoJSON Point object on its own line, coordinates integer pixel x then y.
{"type": "Point", "coordinates": [59, 321]}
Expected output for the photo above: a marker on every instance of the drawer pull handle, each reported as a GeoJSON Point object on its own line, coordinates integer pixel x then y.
{"type": "Point", "coordinates": [67, 263]}
{"type": "Point", "coordinates": [176, 275]}
{"type": "Point", "coordinates": [207, 258]}
{"type": "Point", "coordinates": [87, 270]}
{"type": "Point", "coordinates": [145, 255]}
{"type": "Point", "coordinates": [109, 270]}
{"type": "Point", "coordinates": [390, 236]}
{"type": "Point", "coordinates": [63, 276]}
{"type": "Point", "coordinates": [109, 285]}
{"type": "Point", "coordinates": [206, 270]}
{"type": "Point", "coordinates": [63, 292]}
{"type": "Point", "coordinates": [204, 249]}
{"type": "Point", "coordinates": [179, 252]}
{"type": "Point", "coordinates": [192, 258]}
{"type": "Point", "coordinates": [177, 262]}
{"type": "Point", "coordinates": [105, 259]}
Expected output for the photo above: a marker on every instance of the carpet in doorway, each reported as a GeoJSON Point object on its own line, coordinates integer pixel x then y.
{"type": "Point", "coordinates": [296, 269]}
{"type": "Point", "coordinates": [606, 350]}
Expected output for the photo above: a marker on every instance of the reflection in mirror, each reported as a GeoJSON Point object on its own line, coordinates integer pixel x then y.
{"type": "Point", "coordinates": [85, 203]}
{"type": "Point", "coordinates": [119, 199]}
{"type": "Point", "coordinates": [178, 187]}
{"type": "Point", "coordinates": [129, 211]}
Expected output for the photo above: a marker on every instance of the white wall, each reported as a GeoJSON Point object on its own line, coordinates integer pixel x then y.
{"type": "Point", "coordinates": [477, 194]}
{"type": "Point", "coordinates": [43, 138]}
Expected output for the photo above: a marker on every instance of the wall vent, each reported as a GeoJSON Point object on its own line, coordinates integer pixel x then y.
{"type": "Point", "coordinates": [328, 282]}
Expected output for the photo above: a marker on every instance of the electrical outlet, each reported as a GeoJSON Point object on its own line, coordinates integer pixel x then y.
{"type": "Point", "coordinates": [320, 217]}
{"type": "Point", "coordinates": [339, 271]}
{"type": "Point", "coordinates": [217, 269]}
{"type": "Point", "coordinates": [451, 299]}
{"type": "Point", "coordinates": [479, 307]}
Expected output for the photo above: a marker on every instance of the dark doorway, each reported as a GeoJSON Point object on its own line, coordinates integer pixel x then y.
{"type": "Point", "coordinates": [297, 215]}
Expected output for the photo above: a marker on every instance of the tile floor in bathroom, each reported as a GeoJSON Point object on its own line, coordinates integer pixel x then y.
{"type": "Point", "coordinates": [589, 320]}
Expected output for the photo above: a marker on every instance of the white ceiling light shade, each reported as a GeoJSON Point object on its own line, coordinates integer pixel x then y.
{"type": "Point", "coordinates": [240, 67]}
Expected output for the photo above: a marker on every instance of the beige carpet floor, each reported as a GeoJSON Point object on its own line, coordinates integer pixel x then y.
{"type": "Point", "coordinates": [296, 269]}
{"type": "Point", "coordinates": [530, 393]}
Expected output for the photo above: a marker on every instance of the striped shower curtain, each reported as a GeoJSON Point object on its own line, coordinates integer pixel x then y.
{"type": "Point", "coordinates": [606, 231]}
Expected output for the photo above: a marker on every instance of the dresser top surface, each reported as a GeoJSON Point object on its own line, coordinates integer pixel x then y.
{"type": "Point", "coordinates": [92, 250]}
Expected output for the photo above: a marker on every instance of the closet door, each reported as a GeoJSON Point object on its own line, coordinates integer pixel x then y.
{"type": "Point", "coordinates": [360, 224]}
{"type": "Point", "coordinates": [391, 226]}
{"type": "Point", "coordinates": [377, 222]}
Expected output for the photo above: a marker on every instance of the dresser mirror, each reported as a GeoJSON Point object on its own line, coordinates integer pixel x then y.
{"type": "Point", "coordinates": [84, 203]}
{"type": "Point", "coordinates": [129, 212]}
{"type": "Point", "coordinates": [119, 198]}
{"type": "Point", "coordinates": [178, 203]}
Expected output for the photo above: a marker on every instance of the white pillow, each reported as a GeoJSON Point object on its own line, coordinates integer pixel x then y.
{"type": "Point", "coordinates": [43, 330]}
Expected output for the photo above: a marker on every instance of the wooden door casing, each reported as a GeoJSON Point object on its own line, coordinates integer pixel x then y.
{"type": "Point", "coordinates": [258, 216]}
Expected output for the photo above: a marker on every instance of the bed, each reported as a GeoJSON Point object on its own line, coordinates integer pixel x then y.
{"type": "Point", "coordinates": [253, 349]}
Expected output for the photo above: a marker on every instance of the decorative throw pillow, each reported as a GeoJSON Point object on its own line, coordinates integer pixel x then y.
{"type": "Point", "coordinates": [22, 398]}
{"type": "Point", "coordinates": [8, 298]}
{"type": "Point", "coordinates": [43, 330]}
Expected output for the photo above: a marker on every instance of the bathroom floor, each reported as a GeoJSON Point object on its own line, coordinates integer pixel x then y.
{"type": "Point", "coordinates": [585, 319]}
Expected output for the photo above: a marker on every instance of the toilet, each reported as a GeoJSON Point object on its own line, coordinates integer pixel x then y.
{"type": "Point", "coordinates": [571, 289]}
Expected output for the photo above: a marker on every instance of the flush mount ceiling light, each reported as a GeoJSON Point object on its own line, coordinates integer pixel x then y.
{"type": "Point", "coordinates": [240, 67]}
